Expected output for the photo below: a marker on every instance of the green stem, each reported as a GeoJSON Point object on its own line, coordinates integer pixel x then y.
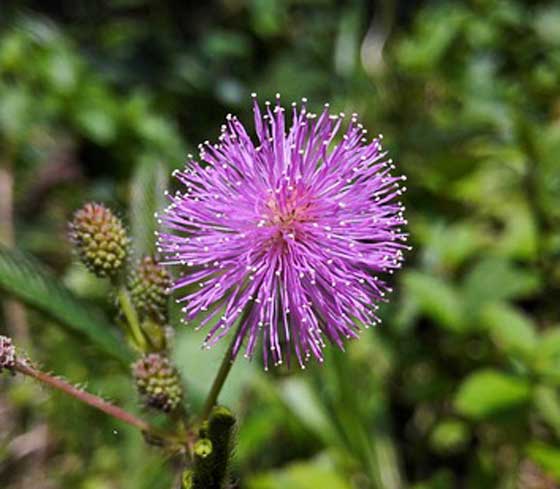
{"type": "Point", "coordinates": [225, 367]}
{"type": "Point", "coordinates": [219, 381]}
{"type": "Point", "coordinates": [132, 319]}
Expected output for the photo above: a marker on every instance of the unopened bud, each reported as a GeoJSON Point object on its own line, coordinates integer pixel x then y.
{"type": "Point", "coordinates": [100, 239]}
{"type": "Point", "coordinates": [187, 479]}
{"type": "Point", "coordinates": [202, 476]}
{"type": "Point", "coordinates": [203, 448]}
{"type": "Point", "coordinates": [149, 286]}
{"type": "Point", "coordinates": [158, 382]}
{"type": "Point", "coordinates": [7, 353]}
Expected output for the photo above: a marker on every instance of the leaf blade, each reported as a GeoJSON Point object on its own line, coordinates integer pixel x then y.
{"type": "Point", "coordinates": [24, 278]}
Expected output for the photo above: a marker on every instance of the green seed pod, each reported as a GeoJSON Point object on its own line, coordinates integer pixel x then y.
{"type": "Point", "coordinates": [149, 288]}
{"type": "Point", "coordinates": [100, 239]}
{"type": "Point", "coordinates": [7, 353]}
{"type": "Point", "coordinates": [158, 382]}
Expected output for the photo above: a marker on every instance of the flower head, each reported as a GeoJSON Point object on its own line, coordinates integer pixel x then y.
{"type": "Point", "coordinates": [99, 238]}
{"type": "Point", "coordinates": [7, 353]}
{"type": "Point", "coordinates": [158, 382]}
{"type": "Point", "coordinates": [291, 231]}
{"type": "Point", "coordinates": [149, 284]}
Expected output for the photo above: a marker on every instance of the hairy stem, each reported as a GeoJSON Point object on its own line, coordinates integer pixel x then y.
{"type": "Point", "coordinates": [83, 396]}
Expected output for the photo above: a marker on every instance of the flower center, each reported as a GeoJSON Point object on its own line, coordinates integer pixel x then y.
{"type": "Point", "coordinates": [286, 212]}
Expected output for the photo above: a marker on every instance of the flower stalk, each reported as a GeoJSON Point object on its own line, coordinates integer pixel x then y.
{"type": "Point", "coordinates": [224, 370]}
{"type": "Point", "coordinates": [219, 381]}
{"type": "Point", "coordinates": [132, 320]}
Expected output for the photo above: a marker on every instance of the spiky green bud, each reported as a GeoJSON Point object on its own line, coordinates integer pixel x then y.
{"type": "Point", "coordinates": [158, 382]}
{"type": "Point", "coordinates": [7, 353]}
{"type": "Point", "coordinates": [100, 239]}
{"type": "Point", "coordinates": [149, 289]}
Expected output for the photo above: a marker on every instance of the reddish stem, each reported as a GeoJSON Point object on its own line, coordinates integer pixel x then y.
{"type": "Point", "coordinates": [86, 397]}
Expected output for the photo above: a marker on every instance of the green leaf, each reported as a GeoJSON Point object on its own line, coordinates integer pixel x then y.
{"type": "Point", "coordinates": [494, 279]}
{"type": "Point", "coordinates": [146, 198]}
{"type": "Point", "coordinates": [486, 393]}
{"type": "Point", "coordinates": [447, 245]}
{"type": "Point", "coordinates": [449, 436]}
{"type": "Point", "coordinates": [24, 278]}
{"type": "Point", "coordinates": [547, 402]}
{"type": "Point", "coordinates": [547, 362]}
{"type": "Point", "coordinates": [302, 400]}
{"type": "Point", "coordinates": [95, 113]}
{"type": "Point", "coordinates": [307, 475]}
{"type": "Point", "coordinates": [511, 330]}
{"type": "Point", "coordinates": [546, 456]}
{"type": "Point", "coordinates": [547, 25]}
{"type": "Point", "coordinates": [438, 299]}
{"type": "Point", "coordinates": [436, 29]}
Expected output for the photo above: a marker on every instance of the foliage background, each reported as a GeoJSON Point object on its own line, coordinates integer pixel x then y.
{"type": "Point", "coordinates": [102, 99]}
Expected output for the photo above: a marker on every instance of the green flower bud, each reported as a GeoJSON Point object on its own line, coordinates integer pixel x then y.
{"type": "Point", "coordinates": [202, 476]}
{"type": "Point", "coordinates": [187, 479]}
{"type": "Point", "coordinates": [7, 353]}
{"type": "Point", "coordinates": [149, 289]}
{"type": "Point", "coordinates": [100, 239]}
{"type": "Point", "coordinates": [203, 448]}
{"type": "Point", "coordinates": [158, 382]}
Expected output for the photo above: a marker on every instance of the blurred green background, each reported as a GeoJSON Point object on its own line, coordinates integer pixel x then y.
{"type": "Point", "coordinates": [101, 99]}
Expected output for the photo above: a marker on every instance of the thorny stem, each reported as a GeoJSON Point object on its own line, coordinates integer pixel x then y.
{"type": "Point", "coordinates": [95, 402]}
{"type": "Point", "coordinates": [221, 376]}
{"type": "Point", "coordinates": [86, 397]}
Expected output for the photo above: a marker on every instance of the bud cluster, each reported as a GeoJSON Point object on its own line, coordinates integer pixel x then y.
{"type": "Point", "coordinates": [149, 288]}
{"type": "Point", "coordinates": [100, 239]}
{"type": "Point", "coordinates": [158, 382]}
{"type": "Point", "coordinates": [7, 353]}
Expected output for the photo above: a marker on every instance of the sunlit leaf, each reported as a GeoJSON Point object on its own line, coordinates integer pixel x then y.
{"type": "Point", "coordinates": [511, 330]}
{"type": "Point", "coordinates": [438, 299]}
{"type": "Point", "coordinates": [547, 456]}
{"type": "Point", "coordinates": [487, 393]}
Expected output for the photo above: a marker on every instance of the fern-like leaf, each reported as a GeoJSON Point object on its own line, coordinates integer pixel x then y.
{"type": "Point", "coordinates": [27, 280]}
